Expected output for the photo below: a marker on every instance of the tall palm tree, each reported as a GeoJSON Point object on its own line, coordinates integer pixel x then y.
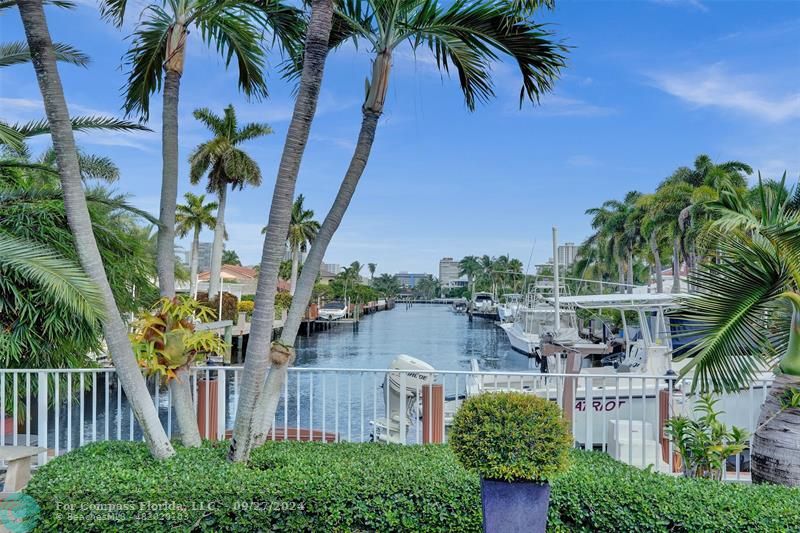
{"type": "Point", "coordinates": [468, 36]}
{"type": "Point", "coordinates": [192, 217]}
{"type": "Point", "coordinates": [372, 267]}
{"type": "Point", "coordinates": [646, 218]}
{"type": "Point", "coordinates": [470, 266]}
{"type": "Point", "coordinates": [226, 165]}
{"type": "Point", "coordinates": [247, 428]}
{"type": "Point", "coordinates": [44, 62]}
{"type": "Point", "coordinates": [617, 242]}
{"type": "Point", "coordinates": [303, 230]}
{"type": "Point", "coordinates": [670, 200]}
{"type": "Point", "coordinates": [739, 326]}
{"type": "Point", "coordinates": [157, 56]}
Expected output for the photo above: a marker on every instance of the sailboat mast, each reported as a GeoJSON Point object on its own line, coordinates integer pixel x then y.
{"type": "Point", "coordinates": [556, 280]}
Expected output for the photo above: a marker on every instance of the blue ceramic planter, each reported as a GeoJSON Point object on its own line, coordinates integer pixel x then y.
{"type": "Point", "coordinates": [518, 507]}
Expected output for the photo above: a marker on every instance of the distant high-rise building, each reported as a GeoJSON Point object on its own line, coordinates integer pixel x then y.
{"type": "Point", "coordinates": [567, 254]}
{"type": "Point", "coordinates": [204, 256]}
{"type": "Point", "coordinates": [448, 270]}
{"type": "Point", "coordinates": [330, 268]}
{"type": "Point", "coordinates": [408, 280]}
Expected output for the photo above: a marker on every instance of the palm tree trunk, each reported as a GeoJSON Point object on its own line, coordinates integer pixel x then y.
{"type": "Point", "coordinates": [165, 255]}
{"type": "Point", "coordinates": [676, 266]}
{"type": "Point", "coordinates": [316, 50]}
{"type": "Point", "coordinates": [216, 247]}
{"type": "Point", "coordinates": [268, 399]}
{"type": "Point", "coordinates": [776, 443]}
{"type": "Point", "coordinates": [116, 335]}
{"type": "Point", "coordinates": [621, 273]}
{"type": "Point", "coordinates": [657, 261]}
{"type": "Point", "coordinates": [195, 261]}
{"type": "Point", "coordinates": [295, 266]}
{"type": "Point", "coordinates": [185, 414]}
{"type": "Point", "coordinates": [630, 272]}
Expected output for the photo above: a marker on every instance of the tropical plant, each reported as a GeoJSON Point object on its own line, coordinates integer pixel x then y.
{"type": "Point", "coordinates": [44, 62]}
{"type": "Point", "coordinates": [226, 165]}
{"type": "Point", "coordinates": [247, 430]}
{"type": "Point", "coordinates": [387, 285]}
{"type": "Point", "coordinates": [157, 56]}
{"type": "Point", "coordinates": [166, 343]}
{"type": "Point", "coordinates": [192, 217]}
{"type": "Point", "coordinates": [372, 267]}
{"type": "Point", "coordinates": [302, 231]}
{"type": "Point", "coordinates": [468, 36]}
{"type": "Point", "coordinates": [705, 443]}
{"type": "Point", "coordinates": [470, 266]}
{"type": "Point", "coordinates": [230, 257]}
{"type": "Point", "coordinates": [737, 326]}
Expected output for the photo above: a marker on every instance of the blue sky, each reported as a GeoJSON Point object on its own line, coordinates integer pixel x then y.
{"type": "Point", "coordinates": [649, 85]}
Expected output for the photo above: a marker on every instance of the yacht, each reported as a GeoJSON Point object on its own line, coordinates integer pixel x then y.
{"type": "Point", "coordinates": [507, 310]}
{"type": "Point", "coordinates": [483, 305]}
{"type": "Point", "coordinates": [333, 310]}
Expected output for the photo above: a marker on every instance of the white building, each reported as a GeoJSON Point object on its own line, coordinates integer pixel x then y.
{"type": "Point", "coordinates": [448, 270]}
{"type": "Point", "coordinates": [567, 254]}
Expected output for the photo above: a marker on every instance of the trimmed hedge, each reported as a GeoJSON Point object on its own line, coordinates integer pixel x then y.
{"type": "Point", "coordinates": [511, 436]}
{"type": "Point", "coordinates": [372, 487]}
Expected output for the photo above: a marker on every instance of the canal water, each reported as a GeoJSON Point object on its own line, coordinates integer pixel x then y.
{"type": "Point", "coordinates": [432, 333]}
{"type": "Point", "coordinates": [343, 403]}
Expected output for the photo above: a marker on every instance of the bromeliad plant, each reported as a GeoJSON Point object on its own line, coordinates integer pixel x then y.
{"type": "Point", "coordinates": [165, 340]}
{"type": "Point", "coordinates": [705, 443]}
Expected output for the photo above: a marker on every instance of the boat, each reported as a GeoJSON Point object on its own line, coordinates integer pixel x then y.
{"type": "Point", "coordinates": [459, 306]}
{"type": "Point", "coordinates": [483, 305]}
{"type": "Point", "coordinates": [333, 311]}
{"type": "Point", "coordinates": [507, 310]}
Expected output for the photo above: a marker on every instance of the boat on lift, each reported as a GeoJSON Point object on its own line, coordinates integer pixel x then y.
{"type": "Point", "coordinates": [483, 305]}
{"type": "Point", "coordinates": [507, 310]}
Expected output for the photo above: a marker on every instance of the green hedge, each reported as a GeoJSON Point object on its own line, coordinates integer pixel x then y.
{"type": "Point", "coordinates": [373, 487]}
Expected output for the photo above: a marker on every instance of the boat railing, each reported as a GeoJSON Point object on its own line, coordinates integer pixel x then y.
{"type": "Point", "coordinates": [622, 414]}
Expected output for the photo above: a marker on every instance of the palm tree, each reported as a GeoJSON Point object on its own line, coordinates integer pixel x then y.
{"type": "Point", "coordinates": [470, 266]}
{"type": "Point", "coordinates": [226, 164]}
{"type": "Point", "coordinates": [119, 346]}
{"type": "Point", "coordinates": [612, 237]}
{"type": "Point", "coordinates": [738, 325]}
{"type": "Point", "coordinates": [646, 218]}
{"type": "Point", "coordinates": [157, 56]}
{"type": "Point", "coordinates": [247, 428]}
{"type": "Point", "coordinates": [372, 267]}
{"type": "Point", "coordinates": [303, 230]}
{"type": "Point", "coordinates": [192, 217]}
{"type": "Point", "coordinates": [468, 36]}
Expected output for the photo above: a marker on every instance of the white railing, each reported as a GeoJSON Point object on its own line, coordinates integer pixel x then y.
{"type": "Point", "coordinates": [622, 414]}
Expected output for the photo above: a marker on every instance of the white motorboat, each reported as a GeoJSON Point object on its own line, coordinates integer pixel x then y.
{"type": "Point", "coordinates": [483, 305]}
{"type": "Point", "coordinates": [507, 310]}
{"type": "Point", "coordinates": [459, 306]}
{"type": "Point", "coordinates": [333, 311]}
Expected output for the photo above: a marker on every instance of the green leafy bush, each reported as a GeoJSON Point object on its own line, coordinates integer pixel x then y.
{"type": "Point", "coordinates": [247, 306]}
{"type": "Point", "coordinates": [511, 436]}
{"type": "Point", "coordinates": [291, 486]}
{"type": "Point", "coordinates": [283, 300]}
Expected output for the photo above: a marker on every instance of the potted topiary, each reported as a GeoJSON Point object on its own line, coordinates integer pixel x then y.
{"type": "Point", "coordinates": [516, 442]}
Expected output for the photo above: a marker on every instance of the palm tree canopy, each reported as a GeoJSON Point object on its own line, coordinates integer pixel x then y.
{"type": "Point", "coordinates": [737, 322]}
{"type": "Point", "coordinates": [467, 36]}
{"type": "Point", "coordinates": [220, 157]}
{"type": "Point", "coordinates": [194, 215]}
{"type": "Point", "coordinates": [234, 28]}
{"type": "Point", "coordinates": [303, 228]}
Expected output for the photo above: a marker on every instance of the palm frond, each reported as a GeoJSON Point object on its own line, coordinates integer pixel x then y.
{"type": "Point", "coordinates": [241, 169]}
{"type": "Point", "coordinates": [113, 11]}
{"type": "Point", "coordinates": [145, 60]}
{"type": "Point", "coordinates": [64, 281]}
{"type": "Point", "coordinates": [252, 131]}
{"type": "Point", "coordinates": [211, 120]}
{"type": "Point", "coordinates": [98, 167]}
{"type": "Point", "coordinates": [81, 123]}
{"type": "Point", "coordinates": [727, 324]}
{"type": "Point", "coordinates": [11, 137]}
{"type": "Point", "coordinates": [228, 28]}
{"type": "Point", "coordinates": [17, 52]}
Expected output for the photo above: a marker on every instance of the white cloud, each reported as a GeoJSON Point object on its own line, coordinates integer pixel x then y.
{"type": "Point", "coordinates": [696, 5]}
{"type": "Point", "coordinates": [713, 86]}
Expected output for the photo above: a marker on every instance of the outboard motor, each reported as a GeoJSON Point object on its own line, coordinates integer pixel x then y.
{"type": "Point", "coordinates": [416, 373]}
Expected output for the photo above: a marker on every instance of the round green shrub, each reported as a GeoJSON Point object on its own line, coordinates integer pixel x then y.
{"type": "Point", "coordinates": [511, 436]}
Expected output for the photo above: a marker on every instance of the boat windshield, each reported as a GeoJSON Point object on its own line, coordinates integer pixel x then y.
{"type": "Point", "coordinates": [334, 305]}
